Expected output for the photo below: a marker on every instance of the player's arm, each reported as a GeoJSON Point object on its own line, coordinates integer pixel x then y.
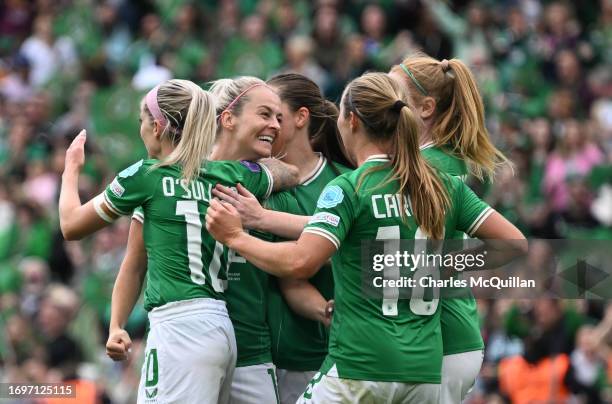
{"type": "Point", "coordinates": [503, 242]}
{"type": "Point", "coordinates": [254, 216]}
{"type": "Point", "coordinates": [304, 299]}
{"type": "Point", "coordinates": [295, 259]}
{"type": "Point", "coordinates": [282, 224]}
{"type": "Point", "coordinates": [126, 292]}
{"type": "Point", "coordinates": [76, 220]}
{"type": "Point", "coordinates": [284, 176]}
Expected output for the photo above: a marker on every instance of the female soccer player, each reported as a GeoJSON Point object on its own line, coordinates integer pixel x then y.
{"type": "Point", "coordinates": [190, 353]}
{"type": "Point", "coordinates": [247, 294]}
{"type": "Point", "coordinates": [248, 112]}
{"type": "Point", "coordinates": [446, 97]}
{"type": "Point", "coordinates": [295, 315]}
{"type": "Point", "coordinates": [386, 350]}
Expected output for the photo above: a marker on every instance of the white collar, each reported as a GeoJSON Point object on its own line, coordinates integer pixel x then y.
{"type": "Point", "coordinates": [316, 171]}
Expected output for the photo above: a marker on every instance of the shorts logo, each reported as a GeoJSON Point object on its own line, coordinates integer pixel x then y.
{"type": "Point", "coordinates": [151, 393]}
{"type": "Point", "coordinates": [254, 167]}
{"type": "Point", "coordinates": [324, 217]}
{"type": "Point", "coordinates": [330, 197]}
{"type": "Point", "coordinates": [131, 170]}
{"type": "Point", "coordinates": [116, 188]}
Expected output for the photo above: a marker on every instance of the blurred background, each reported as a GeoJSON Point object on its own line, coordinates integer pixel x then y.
{"type": "Point", "coordinates": [545, 72]}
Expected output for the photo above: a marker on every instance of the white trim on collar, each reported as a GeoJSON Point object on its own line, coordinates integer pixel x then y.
{"type": "Point", "coordinates": [316, 171]}
{"type": "Point", "coordinates": [378, 157]}
{"type": "Point", "coordinates": [427, 145]}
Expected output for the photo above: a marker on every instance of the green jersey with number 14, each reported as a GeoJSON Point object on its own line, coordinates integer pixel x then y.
{"type": "Point", "coordinates": [371, 338]}
{"type": "Point", "coordinates": [184, 261]}
{"type": "Point", "coordinates": [247, 295]}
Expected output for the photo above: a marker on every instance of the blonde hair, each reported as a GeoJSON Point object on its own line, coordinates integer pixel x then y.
{"type": "Point", "coordinates": [191, 124]}
{"type": "Point", "coordinates": [373, 98]}
{"type": "Point", "coordinates": [459, 115]}
{"type": "Point", "coordinates": [228, 91]}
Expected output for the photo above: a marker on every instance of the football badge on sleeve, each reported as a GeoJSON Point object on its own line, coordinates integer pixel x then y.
{"type": "Point", "coordinates": [330, 197]}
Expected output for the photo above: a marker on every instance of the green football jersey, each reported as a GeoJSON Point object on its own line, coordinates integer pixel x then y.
{"type": "Point", "coordinates": [247, 295]}
{"type": "Point", "coordinates": [300, 344]}
{"type": "Point", "coordinates": [459, 317]}
{"type": "Point", "coordinates": [371, 338]}
{"type": "Point", "coordinates": [184, 261]}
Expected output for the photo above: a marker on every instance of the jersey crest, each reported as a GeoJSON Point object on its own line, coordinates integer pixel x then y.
{"type": "Point", "coordinates": [331, 196]}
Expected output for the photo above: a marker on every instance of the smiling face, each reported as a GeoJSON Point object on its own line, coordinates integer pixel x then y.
{"type": "Point", "coordinates": [258, 125]}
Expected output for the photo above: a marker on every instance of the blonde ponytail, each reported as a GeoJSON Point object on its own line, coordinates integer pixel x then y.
{"type": "Point", "coordinates": [463, 125]}
{"type": "Point", "coordinates": [428, 197]}
{"type": "Point", "coordinates": [191, 127]}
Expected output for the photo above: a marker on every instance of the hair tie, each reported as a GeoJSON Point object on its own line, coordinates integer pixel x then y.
{"type": "Point", "coordinates": [153, 106]}
{"type": "Point", "coordinates": [397, 106]}
{"type": "Point", "coordinates": [414, 79]}
{"type": "Point", "coordinates": [445, 66]}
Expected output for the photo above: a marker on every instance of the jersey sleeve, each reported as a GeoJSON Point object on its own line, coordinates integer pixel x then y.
{"type": "Point", "coordinates": [138, 214]}
{"type": "Point", "coordinates": [130, 189]}
{"type": "Point", "coordinates": [335, 212]}
{"type": "Point", "coordinates": [471, 211]}
{"type": "Point", "coordinates": [253, 176]}
{"type": "Point", "coordinates": [257, 179]}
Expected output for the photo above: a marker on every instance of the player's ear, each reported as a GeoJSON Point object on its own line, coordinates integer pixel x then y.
{"type": "Point", "coordinates": [353, 121]}
{"type": "Point", "coordinates": [226, 120]}
{"type": "Point", "coordinates": [428, 107]}
{"type": "Point", "coordinates": [157, 129]}
{"type": "Point", "coordinates": [301, 117]}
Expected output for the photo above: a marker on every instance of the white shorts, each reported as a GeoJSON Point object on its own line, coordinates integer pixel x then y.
{"type": "Point", "coordinates": [324, 389]}
{"type": "Point", "coordinates": [291, 384]}
{"type": "Point", "coordinates": [190, 354]}
{"type": "Point", "coordinates": [459, 372]}
{"type": "Point", "coordinates": [255, 384]}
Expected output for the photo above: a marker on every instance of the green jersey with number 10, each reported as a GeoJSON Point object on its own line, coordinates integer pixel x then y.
{"type": "Point", "coordinates": [380, 339]}
{"type": "Point", "coordinates": [184, 261]}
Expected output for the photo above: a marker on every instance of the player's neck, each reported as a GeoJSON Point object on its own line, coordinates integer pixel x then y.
{"type": "Point", "coordinates": [224, 150]}
{"type": "Point", "coordinates": [300, 154]}
{"type": "Point", "coordinates": [363, 148]}
{"type": "Point", "coordinates": [369, 150]}
{"type": "Point", "coordinates": [425, 136]}
{"type": "Point", "coordinates": [165, 150]}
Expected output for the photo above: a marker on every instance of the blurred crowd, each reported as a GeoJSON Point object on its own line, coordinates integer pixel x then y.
{"type": "Point", "coordinates": [544, 68]}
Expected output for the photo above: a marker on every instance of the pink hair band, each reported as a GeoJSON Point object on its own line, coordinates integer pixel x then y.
{"type": "Point", "coordinates": [231, 104]}
{"type": "Point", "coordinates": [151, 102]}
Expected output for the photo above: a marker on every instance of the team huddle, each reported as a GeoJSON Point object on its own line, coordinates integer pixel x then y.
{"type": "Point", "coordinates": [248, 219]}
